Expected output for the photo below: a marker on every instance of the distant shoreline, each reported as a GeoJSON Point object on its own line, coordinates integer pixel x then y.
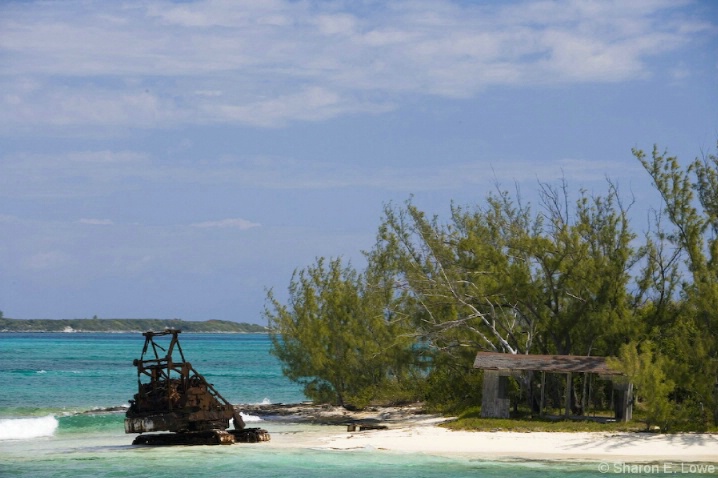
{"type": "Point", "coordinates": [70, 332]}
{"type": "Point", "coordinates": [96, 325]}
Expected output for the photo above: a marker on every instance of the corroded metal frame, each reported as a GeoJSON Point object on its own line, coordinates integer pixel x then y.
{"type": "Point", "coordinates": [172, 395]}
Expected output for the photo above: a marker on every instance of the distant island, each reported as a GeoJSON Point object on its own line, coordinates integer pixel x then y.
{"type": "Point", "coordinates": [127, 325]}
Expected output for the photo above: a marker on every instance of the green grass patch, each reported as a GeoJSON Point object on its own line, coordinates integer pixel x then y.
{"type": "Point", "coordinates": [471, 420]}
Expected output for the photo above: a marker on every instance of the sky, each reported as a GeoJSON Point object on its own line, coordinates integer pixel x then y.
{"type": "Point", "coordinates": [177, 159]}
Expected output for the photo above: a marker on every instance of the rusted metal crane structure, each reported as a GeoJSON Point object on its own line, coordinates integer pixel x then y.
{"type": "Point", "coordinates": [173, 397]}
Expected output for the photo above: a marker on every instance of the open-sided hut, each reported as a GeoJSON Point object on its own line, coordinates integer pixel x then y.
{"type": "Point", "coordinates": [498, 367]}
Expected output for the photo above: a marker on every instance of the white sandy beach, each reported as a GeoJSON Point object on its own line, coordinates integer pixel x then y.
{"type": "Point", "coordinates": [628, 447]}
{"type": "Point", "coordinates": [408, 433]}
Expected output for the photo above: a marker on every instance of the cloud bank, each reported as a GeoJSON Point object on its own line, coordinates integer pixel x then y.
{"type": "Point", "coordinates": [78, 64]}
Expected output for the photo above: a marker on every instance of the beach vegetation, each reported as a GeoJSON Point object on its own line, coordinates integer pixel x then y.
{"type": "Point", "coordinates": [568, 277]}
{"type": "Point", "coordinates": [680, 284]}
{"type": "Point", "coordinates": [335, 335]}
{"type": "Point", "coordinates": [645, 369]}
{"type": "Point", "coordinates": [470, 419]}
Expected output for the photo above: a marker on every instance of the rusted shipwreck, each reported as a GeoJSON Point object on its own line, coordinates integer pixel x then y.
{"type": "Point", "coordinates": [173, 397]}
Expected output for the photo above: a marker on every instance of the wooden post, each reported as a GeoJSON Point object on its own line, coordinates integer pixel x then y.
{"type": "Point", "coordinates": [613, 397]}
{"type": "Point", "coordinates": [543, 391]}
{"type": "Point", "coordinates": [584, 395]}
{"type": "Point", "coordinates": [568, 394]}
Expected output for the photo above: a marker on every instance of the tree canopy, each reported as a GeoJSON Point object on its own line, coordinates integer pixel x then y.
{"type": "Point", "coordinates": [336, 336]}
{"type": "Point", "coordinates": [562, 277]}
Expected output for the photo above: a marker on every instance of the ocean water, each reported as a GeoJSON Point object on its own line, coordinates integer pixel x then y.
{"type": "Point", "coordinates": [58, 391]}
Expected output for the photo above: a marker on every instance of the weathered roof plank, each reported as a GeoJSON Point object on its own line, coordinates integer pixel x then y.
{"type": "Point", "coordinates": [543, 363]}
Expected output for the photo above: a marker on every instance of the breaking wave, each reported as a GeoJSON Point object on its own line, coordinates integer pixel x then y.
{"type": "Point", "coordinates": [250, 418]}
{"type": "Point", "coordinates": [25, 428]}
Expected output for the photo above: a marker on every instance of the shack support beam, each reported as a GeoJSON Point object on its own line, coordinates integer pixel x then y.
{"type": "Point", "coordinates": [569, 387]}
{"type": "Point", "coordinates": [543, 393]}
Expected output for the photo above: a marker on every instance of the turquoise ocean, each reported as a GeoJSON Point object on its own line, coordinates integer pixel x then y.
{"type": "Point", "coordinates": [59, 395]}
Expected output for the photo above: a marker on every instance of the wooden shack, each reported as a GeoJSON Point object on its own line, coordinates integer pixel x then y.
{"type": "Point", "coordinates": [498, 367]}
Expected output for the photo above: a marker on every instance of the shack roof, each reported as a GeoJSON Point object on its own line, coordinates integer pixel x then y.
{"type": "Point", "coordinates": [543, 363]}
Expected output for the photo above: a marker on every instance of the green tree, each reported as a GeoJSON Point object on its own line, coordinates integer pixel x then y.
{"type": "Point", "coordinates": [451, 276]}
{"type": "Point", "coordinates": [646, 370]}
{"type": "Point", "coordinates": [583, 258]}
{"type": "Point", "coordinates": [500, 278]}
{"type": "Point", "coordinates": [334, 335]}
{"type": "Point", "coordinates": [683, 259]}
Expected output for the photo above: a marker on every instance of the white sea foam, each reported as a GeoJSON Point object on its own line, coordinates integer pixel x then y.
{"type": "Point", "coordinates": [250, 418]}
{"type": "Point", "coordinates": [266, 401]}
{"type": "Point", "coordinates": [24, 428]}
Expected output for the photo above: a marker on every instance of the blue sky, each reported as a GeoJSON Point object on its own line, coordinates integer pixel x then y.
{"type": "Point", "coordinates": [176, 159]}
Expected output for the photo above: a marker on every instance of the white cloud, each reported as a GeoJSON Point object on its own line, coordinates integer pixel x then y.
{"type": "Point", "coordinates": [102, 173]}
{"type": "Point", "coordinates": [67, 252]}
{"type": "Point", "coordinates": [70, 174]}
{"type": "Point", "coordinates": [238, 223]}
{"type": "Point", "coordinates": [94, 64]}
{"type": "Point", "coordinates": [312, 104]}
{"type": "Point", "coordinates": [48, 260]}
{"type": "Point", "coordinates": [96, 222]}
